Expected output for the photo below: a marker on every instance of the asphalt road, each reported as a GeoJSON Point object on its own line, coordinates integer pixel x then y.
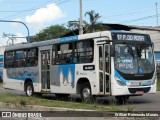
{"type": "Point", "coordinates": [147, 102]}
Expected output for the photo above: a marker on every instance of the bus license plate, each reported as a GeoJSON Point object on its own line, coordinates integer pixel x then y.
{"type": "Point", "coordinates": [139, 92]}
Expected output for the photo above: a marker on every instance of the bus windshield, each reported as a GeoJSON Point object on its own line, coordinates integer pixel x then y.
{"type": "Point", "coordinates": [134, 59]}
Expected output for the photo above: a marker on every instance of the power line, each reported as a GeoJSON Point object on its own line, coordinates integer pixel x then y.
{"type": "Point", "coordinates": [143, 18]}
{"type": "Point", "coordinates": [131, 13]}
{"type": "Point", "coordinates": [34, 8]}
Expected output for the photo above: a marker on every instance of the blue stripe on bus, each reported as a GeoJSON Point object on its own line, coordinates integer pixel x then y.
{"type": "Point", "coordinates": [65, 69]}
{"type": "Point", "coordinates": [23, 78]}
{"type": "Point", "coordinates": [68, 39]}
{"type": "Point", "coordinates": [119, 76]}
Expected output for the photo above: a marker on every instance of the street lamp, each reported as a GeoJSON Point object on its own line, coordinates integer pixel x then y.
{"type": "Point", "coordinates": [28, 40]}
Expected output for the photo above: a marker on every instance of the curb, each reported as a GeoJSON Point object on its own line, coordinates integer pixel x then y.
{"type": "Point", "coordinates": [39, 108]}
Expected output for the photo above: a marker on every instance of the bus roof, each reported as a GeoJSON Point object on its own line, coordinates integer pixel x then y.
{"type": "Point", "coordinates": [54, 41]}
{"type": "Point", "coordinates": [63, 40]}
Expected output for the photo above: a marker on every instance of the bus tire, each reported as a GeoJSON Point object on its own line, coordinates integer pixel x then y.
{"type": "Point", "coordinates": [122, 99]}
{"type": "Point", "coordinates": [29, 89]}
{"type": "Point", "coordinates": [86, 93]}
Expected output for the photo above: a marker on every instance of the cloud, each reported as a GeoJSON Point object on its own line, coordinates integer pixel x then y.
{"type": "Point", "coordinates": [47, 14]}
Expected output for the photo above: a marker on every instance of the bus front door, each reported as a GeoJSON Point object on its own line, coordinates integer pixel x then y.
{"type": "Point", "coordinates": [45, 70]}
{"type": "Point", "coordinates": [104, 69]}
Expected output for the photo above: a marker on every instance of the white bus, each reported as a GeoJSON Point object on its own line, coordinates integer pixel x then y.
{"type": "Point", "coordinates": [106, 63]}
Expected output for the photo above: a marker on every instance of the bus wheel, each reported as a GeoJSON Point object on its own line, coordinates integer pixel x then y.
{"type": "Point", "coordinates": [86, 92]}
{"type": "Point", "coordinates": [122, 99]}
{"type": "Point", "coordinates": [29, 89]}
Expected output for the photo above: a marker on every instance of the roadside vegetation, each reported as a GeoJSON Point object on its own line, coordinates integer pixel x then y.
{"type": "Point", "coordinates": [24, 100]}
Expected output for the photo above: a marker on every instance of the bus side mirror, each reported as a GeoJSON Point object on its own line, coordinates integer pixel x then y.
{"type": "Point", "coordinates": [112, 51]}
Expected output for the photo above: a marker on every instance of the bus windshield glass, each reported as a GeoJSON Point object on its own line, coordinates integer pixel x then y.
{"type": "Point", "coordinates": [134, 59]}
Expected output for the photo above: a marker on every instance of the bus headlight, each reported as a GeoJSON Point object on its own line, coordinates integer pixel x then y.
{"type": "Point", "coordinates": [119, 82]}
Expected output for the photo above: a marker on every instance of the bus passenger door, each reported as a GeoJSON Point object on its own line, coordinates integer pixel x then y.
{"type": "Point", "coordinates": [45, 70]}
{"type": "Point", "coordinates": [104, 69]}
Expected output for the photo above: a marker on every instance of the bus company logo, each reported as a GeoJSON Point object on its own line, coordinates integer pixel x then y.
{"type": "Point", "coordinates": [6, 114]}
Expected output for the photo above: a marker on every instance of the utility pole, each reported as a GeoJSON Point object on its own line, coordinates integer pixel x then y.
{"type": "Point", "coordinates": [10, 37]}
{"type": "Point", "coordinates": [80, 20]}
{"type": "Point", "coordinates": [157, 12]}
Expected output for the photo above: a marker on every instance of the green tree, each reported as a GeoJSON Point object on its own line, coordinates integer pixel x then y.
{"type": "Point", "coordinates": [73, 25]}
{"type": "Point", "coordinates": [93, 24]}
{"type": "Point", "coordinates": [54, 31]}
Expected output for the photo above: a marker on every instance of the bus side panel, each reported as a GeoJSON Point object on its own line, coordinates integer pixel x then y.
{"type": "Point", "coordinates": [14, 78]}
{"type": "Point", "coordinates": [11, 83]}
{"type": "Point", "coordinates": [88, 72]}
{"type": "Point", "coordinates": [63, 78]}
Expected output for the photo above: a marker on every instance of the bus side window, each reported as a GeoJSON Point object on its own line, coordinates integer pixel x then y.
{"type": "Point", "coordinates": [84, 51]}
{"type": "Point", "coordinates": [32, 57]}
{"type": "Point", "coordinates": [9, 59]}
{"type": "Point", "coordinates": [63, 53]}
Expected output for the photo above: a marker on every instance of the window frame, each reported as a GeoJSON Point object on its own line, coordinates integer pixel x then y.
{"type": "Point", "coordinates": [73, 53]}
{"type": "Point", "coordinates": [14, 60]}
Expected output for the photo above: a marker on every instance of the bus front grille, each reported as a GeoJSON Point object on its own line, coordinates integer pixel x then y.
{"type": "Point", "coordinates": [134, 90]}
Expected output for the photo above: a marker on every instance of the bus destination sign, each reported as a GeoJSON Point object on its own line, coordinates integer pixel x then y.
{"type": "Point", "coordinates": [130, 37]}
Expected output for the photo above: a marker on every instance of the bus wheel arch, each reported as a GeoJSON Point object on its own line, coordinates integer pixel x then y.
{"type": "Point", "coordinates": [28, 87]}
{"type": "Point", "coordinates": [80, 82]}
{"type": "Point", "coordinates": [84, 88]}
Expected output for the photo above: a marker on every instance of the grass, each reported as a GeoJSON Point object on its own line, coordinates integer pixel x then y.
{"type": "Point", "coordinates": [24, 100]}
{"type": "Point", "coordinates": [114, 107]}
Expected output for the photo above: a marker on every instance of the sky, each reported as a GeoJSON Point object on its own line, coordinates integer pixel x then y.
{"type": "Point", "coordinates": [39, 14]}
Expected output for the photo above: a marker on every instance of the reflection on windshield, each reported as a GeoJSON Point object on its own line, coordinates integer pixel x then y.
{"type": "Point", "coordinates": [134, 59]}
